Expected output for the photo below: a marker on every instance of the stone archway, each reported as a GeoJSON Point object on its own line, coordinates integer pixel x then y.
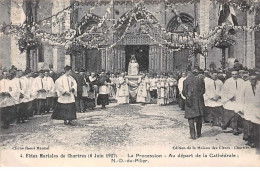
{"type": "Point", "coordinates": [181, 24]}
{"type": "Point", "coordinates": [137, 41]}
{"type": "Point", "coordinates": [89, 59]}
{"type": "Point", "coordinates": [176, 24]}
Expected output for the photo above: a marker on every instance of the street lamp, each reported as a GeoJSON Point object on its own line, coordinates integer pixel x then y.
{"type": "Point", "coordinates": [205, 54]}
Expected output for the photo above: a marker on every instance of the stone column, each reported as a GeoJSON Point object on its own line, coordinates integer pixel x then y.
{"type": "Point", "coordinates": [17, 17]}
{"type": "Point", "coordinates": [66, 26]}
{"type": "Point", "coordinates": [250, 42]}
{"type": "Point", "coordinates": [55, 30]}
{"type": "Point", "coordinates": [59, 57]}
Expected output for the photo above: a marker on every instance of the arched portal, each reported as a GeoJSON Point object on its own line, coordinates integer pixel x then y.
{"type": "Point", "coordinates": [89, 59]}
{"type": "Point", "coordinates": [181, 24]}
{"type": "Point", "coordinates": [136, 25]}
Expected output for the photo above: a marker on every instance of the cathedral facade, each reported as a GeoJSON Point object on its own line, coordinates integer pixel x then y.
{"type": "Point", "coordinates": [132, 37]}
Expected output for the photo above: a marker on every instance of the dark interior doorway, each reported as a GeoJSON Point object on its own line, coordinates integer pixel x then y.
{"type": "Point", "coordinates": [92, 60]}
{"type": "Point", "coordinates": [181, 59]}
{"type": "Point", "coordinates": [141, 53]}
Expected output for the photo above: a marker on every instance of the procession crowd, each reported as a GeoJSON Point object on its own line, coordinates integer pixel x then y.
{"type": "Point", "coordinates": [231, 99]}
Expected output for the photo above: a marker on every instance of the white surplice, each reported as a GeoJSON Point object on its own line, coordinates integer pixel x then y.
{"type": "Point", "coordinates": [233, 89]}
{"type": "Point", "coordinates": [122, 94]}
{"type": "Point", "coordinates": [6, 87]}
{"type": "Point", "coordinates": [19, 87]}
{"type": "Point", "coordinates": [142, 90]}
{"type": "Point", "coordinates": [27, 89]}
{"type": "Point", "coordinates": [38, 84]}
{"type": "Point", "coordinates": [50, 87]}
{"type": "Point", "coordinates": [153, 84]}
{"type": "Point", "coordinates": [65, 84]}
{"type": "Point", "coordinates": [212, 89]}
{"type": "Point", "coordinates": [252, 103]}
{"type": "Point", "coordinates": [30, 83]}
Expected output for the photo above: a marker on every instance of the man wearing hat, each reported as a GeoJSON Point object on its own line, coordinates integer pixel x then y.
{"type": "Point", "coordinates": [251, 112]}
{"type": "Point", "coordinates": [232, 99]}
{"type": "Point", "coordinates": [193, 90]}
{"type": "Point", "coordinates": [66, 88]}
{"type": "Point", "coordinates": [40, 92]}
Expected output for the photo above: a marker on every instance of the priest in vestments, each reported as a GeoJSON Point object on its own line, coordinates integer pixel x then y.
{"type": "Point", "coordinates": [212, 99]}
{"type": "Point", "coordinates": [251, 112]}
{"type": "Point", "coordinates": [18, 93]}
{"type": "Point", "coordinates": [122, 95]}
{"type": "Point", "coordinates": [232, 100]}
{"type": "Point", "coordinates": [161, 91]}
{"type": "Point", "coordinates": [39, 89]}
{"type": "Point", "coordinates": [50, 88]}
{"type": "Point", "coordinates": [142, 90]}
{"type": "Point", "coordinates": [27, 100]}
{"type": "Point", "coordinates": [66, 88]}
{"type": "Point", "coordinates": [7, 103]}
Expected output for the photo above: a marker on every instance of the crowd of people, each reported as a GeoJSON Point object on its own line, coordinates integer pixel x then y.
{"type": "Point", "coordinates": [229, 99]}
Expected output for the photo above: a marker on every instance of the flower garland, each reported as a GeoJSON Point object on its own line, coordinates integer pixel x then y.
{"type": "Point", "coordinates": [68, 37]}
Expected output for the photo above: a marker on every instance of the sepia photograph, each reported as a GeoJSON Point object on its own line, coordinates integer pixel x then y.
{"type": "Point", "coordinates": [118, 83]}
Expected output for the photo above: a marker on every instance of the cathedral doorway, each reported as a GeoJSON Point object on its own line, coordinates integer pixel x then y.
{"type": "Point", "coordinates": [92, 60]}
{"type": "Point", "coordinates": [141, 53]}
{"type": "Point", "coordinates": [181, 25]}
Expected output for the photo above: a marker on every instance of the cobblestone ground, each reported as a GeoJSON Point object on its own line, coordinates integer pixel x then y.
{"type": "Point", "coordinates": [117, 128]}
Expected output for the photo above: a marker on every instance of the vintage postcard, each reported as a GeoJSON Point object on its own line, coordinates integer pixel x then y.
{"type": "Point", "coordinates": [130, 83]}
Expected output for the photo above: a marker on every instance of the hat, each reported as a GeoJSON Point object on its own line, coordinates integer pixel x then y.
{"type": "Point", "coordinates": [67, 68]}
{"type": "Point", "coordinates": [236, 61]}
